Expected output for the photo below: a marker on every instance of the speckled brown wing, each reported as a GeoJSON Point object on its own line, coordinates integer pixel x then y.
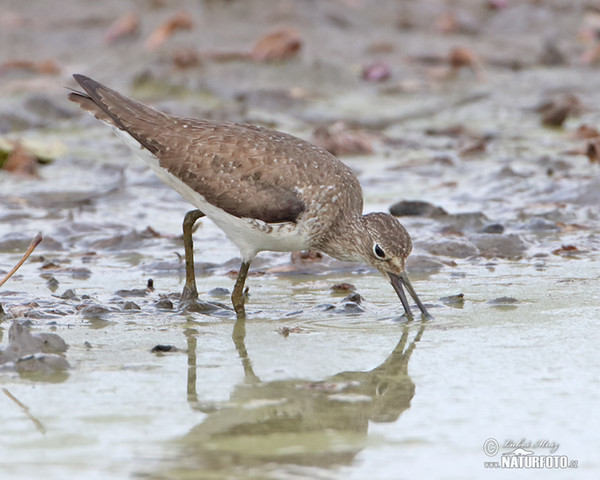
{"type": "Point", "coordinates": [246, 170]}
{"type": "Point", "coordinates": [255, 172]}
{"type": "Point", "coordinates": [231, 166]}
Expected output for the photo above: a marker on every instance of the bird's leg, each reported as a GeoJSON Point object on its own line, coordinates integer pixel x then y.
{"type": "Point", "coordinates": [190, 293]}
{"type": "Point", "coordinates": [237, 297]}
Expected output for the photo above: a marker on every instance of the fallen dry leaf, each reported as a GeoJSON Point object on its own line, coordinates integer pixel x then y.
{"type": "Point", "coordinates": [343, 287]}
{"type": "Point", "coordinates": [376, 72]}
{"type": "Point", "coordinates": [280, 44]}
{"type": "Point", "coordinates": [556, 110]}
{"type": "Point", "coordinates": [285, 331]}
{"type": "Point", "coordinates": [339, 139]}
{"type": "Point", "coordinates": [473, 146]}
{"type": "Point", "coordinates": [497, 4]}
{"type": "Point", "coordinates": [305, 256]}
{"type": "Point", "coordinates": [565, 250]}
{"type": "Point", "coordinates": [127, 26]}
{"type": "Point", "coordinates": [461, 57]}
{"type": "Point", "coordinates": [44, 67]}
{"type": "Point", "coordinates": [592, 150]}
{"type": "Point", "coordinates": [556, 116]}
{"type": "Point", "coordinates": [188, 58]}
{"type": "Point", "coordinates": [179, 21]}
{"type": "Point", "coordinates": [585, 132]}
{"type": "Point", "coordinates": [456, 130]}
{"type": "Point", "coordinates": [571, 227]}
{"type": "Point", "coordinates": [21, 162]}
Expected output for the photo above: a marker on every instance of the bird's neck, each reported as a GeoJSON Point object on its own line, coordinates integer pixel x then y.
{"type": "Point", "coordinates": [343, 240]}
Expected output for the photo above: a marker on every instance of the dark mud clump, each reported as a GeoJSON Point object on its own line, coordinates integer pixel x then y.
{"type": "Point", "coordinates": [35, 353]}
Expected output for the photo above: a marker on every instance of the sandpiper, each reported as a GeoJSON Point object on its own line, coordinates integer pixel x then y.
{"type": "Point", "coordinates": [265, 189]}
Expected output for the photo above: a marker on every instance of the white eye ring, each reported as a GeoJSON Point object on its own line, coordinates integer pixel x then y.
{"type": "Point", "coordinates": [378, 251]}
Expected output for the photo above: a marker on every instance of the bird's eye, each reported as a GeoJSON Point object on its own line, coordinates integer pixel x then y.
{"type": "Point", "coordinates": [378, 251]}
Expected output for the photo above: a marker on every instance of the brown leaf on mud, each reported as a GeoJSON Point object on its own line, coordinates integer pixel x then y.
{"type": "Point", "coordinates": [571, 227]}
{"type": "Point", "coordinates": [21, 162]}
{"type": "Point", "coordinates": [463, 57]}
{"type": "Point", "coordinates": [285, 331]}
{"type": "Point", "coordinates": [592, 150]}
{"type": "Point", "coordinates": [343, 288]}
{"type": "Point", "coordinates": [473, 147]}
{"type": "Point", "coordinates": [179, 21]}
{"type": "Point", "coordinates": [456, 130]}
{"type": "Point", "coordinates": [187, 58]}
{"type": "Point", "coordinates": [280, 44]}
{"type": "Point", "coordinates": [376, 72]}
{"type": "Point", "coordinates": [125, 27]}
{"type": "Point", "coordinates": [149, 230]}
{"type": "Point", "coordinates": [339, 139]}
{"type": "Point", "coordinates": [305, 256]}
{"type": "Point", "coordinates": [556, 116]}
{"type": "Point", "coordinates": [585, 132]}
{"type": "Point", "coordinates": [566, 250]}
{"type": "Point", "coordinates": [556, 110]}
{"type": "Point", "coordinates": [497, 4]}
{"type": "Point", "coordinates": [43, 67]}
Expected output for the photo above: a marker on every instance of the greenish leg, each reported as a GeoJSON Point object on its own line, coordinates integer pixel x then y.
{"type": "Point", "coordinates": [190, 293]}
{"type": "Point", "coordinates": [237, 297]}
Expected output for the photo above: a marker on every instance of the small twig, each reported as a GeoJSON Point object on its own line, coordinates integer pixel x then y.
{"type": "Point", "coordinates": [34, 243]}
{"type": "Point", "coordinates": [25, 408]}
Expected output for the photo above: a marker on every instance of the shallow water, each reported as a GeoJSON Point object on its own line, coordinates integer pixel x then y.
{"type": "Point", "coordinates": [343, 397]}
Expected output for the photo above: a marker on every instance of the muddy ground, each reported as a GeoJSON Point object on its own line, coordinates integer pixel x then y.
{"type": "Point", "coordinates": [473, 121]}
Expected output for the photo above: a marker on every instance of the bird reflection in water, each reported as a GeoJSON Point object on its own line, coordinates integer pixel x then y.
{"type": "Point", "coordinates": [294, 422]}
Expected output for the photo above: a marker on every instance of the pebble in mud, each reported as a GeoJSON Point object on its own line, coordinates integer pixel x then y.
{"type": "Point", "coordinates": [164, 304]}
{"type": "Point", "coordinates": [131, 306]}
{"type": "Point", "coordinates": [69, 294]}
{"type": "Point", "coordinates": [416, 209]}
{"type": "Point", "coordinates": [349, 304]}
{"type": "Point", "coordinates": [94, 310]}
{"type": "Point", "coordinates": [52, 283]}
{"type": "Point", "coordinates": [540, 224]}
{"type": "Point", "coordinates": [164, 349]}
{"type": "Point", "coordinates": [424, 264]}
{"type": "Point", "coordinates": [219, 292]}
{"type": "Point", "coordinates": [33, 352]}
{"type": "Point", "coordinates": [456, 301]}
{"type": "Point", "coordinates": [350, 307]}
{"type": "Point", "coordinates": [507, 303]}
{"type": "Point", "coordinates": [495, 228]}
{"type": "Point", "coordinates": [326, 307]}
{"type": "Point", "coordinates": [198, 306]}
{"type": "Point", "coordinates": [353, 297]}
{"type": "Point", "coordinates": [510, 246]}
{"type": "Point", "coordinates": [450, 247]}
{"type": "Point", "coordinates": [41, 363]}
{"type": "Point", "coordinates": [136, 292]}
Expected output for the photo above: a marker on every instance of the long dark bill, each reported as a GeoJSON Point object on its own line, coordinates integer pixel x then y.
{"type": "Point", "coordinates": [401, 280]}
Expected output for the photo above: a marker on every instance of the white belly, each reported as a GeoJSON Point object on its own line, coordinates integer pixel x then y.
{"type": "Point", "coordinates": [249, 235]}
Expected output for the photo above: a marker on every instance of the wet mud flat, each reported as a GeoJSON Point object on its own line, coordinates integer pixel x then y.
{"type": "Point", "coordinates": [475, 125]}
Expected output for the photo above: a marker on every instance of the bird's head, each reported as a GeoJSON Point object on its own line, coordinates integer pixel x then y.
{"type": "Point", "coordinates": [385, 245]}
